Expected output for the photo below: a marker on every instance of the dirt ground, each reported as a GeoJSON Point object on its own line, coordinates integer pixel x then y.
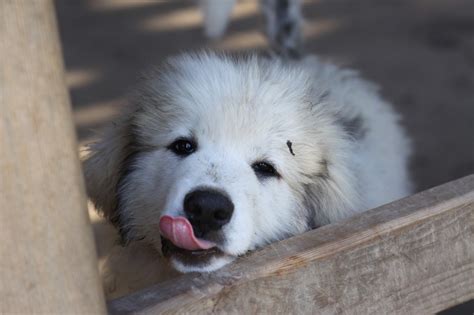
{"type": "Point", "coordinates": [420, 52]}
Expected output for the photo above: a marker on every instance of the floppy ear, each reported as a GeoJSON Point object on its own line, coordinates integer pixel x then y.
{"type": "Point", "coordinates": [332, 195]}
{"type": "Point", "coordinates": [105, 164]}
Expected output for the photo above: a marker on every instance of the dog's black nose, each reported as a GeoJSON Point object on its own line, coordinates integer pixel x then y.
{"type": "Point", "coordinates": [207, 210]}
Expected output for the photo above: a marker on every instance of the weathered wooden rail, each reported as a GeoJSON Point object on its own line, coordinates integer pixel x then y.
{"type": "Point", "coordinates": [413, 256]}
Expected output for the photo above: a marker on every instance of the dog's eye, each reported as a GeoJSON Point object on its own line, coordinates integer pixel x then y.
{"type": "Point", "coordinates": [265, 169]}
{"type": "Point", "coordinates": [183, 147]}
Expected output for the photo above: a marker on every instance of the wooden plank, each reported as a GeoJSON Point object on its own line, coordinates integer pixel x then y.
{"type": "Point", "coordinates": [48, 262]}
{"type": "Point", "coordinates": [413, 256]}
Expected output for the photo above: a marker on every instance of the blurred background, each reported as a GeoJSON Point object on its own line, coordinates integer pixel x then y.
{"type": "Point", "coordinates": [420, 52]}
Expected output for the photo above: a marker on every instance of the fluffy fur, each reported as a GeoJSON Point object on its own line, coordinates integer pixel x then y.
{"type": "Point", "coordinates": [335, 143]}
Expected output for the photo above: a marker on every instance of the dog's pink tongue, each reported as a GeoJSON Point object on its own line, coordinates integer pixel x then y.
{"type": "Point", "coordinates": [180, 232]}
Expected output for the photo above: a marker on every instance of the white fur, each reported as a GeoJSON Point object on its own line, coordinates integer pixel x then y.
{"type": "Point", "coordinates": [242, 111]}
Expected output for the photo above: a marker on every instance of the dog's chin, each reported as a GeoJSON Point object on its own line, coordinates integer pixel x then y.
{"type": "Point", "coordinates": [212, 264]}
{"type": "Point", "coordinates": [195, 260]}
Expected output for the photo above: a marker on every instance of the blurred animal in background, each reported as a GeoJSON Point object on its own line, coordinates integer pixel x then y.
{"type": "Point", "coordinates": [216, 16]}
{"type": "Point", "coordinates": [283, 27]}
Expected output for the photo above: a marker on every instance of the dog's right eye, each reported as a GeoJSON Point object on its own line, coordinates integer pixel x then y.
{"type": "Point", "coordinates": [183, 147]}
{"type": "Point", "coordinates": [265, 169]}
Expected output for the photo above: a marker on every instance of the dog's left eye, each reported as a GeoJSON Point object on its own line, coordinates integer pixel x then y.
{"type": "Point", "coordinates": [265, 169]}
{"type": "Point", "coordinates": [183, 147]}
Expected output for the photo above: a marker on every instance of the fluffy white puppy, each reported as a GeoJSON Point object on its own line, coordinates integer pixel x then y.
{"type": "Point", "coordinates": [220, 155]}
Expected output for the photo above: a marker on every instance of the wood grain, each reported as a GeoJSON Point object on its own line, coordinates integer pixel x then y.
{"type": "Point", "coordinates": [413, 256]}
{"type": "Point", "coordinates": [48, 262]}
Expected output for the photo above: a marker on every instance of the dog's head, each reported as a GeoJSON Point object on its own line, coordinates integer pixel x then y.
{"type": "Point", "coordinates": [219, 156]}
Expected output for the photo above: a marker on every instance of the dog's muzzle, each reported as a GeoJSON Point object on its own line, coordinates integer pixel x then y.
{"type": "Point", "coordinates": [194, 239]}
{"type": "Point", "coordinates": [207, 210]}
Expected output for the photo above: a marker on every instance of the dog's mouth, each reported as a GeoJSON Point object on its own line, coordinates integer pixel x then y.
{"type": "Point", "coordinates": [179, 243]}
{"type": "Point", "coordinates": [189, 257]}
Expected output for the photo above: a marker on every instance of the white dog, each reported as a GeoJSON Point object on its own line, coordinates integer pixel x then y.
{"type": "Point", "coordinates": [219, 155]}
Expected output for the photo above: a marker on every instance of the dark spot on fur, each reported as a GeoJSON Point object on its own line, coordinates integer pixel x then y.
{"type": "Point", "coordinates": [289, 144]}
{"type": "Point", "coordinates": [314, 195]}
{"type": "Point", "coordinates": [127, 168]}
{"type": "Point", "coordinates": [311, 223]}
{"type": "Point", "coordinates": [353, 126]}
{"type": "Point", "coordinates": [133, 151]}
{"type": "Point", "coordinates": [324, 173]}
{"type": "Point", "coordinates": [311, 203]}
{"type": "Point", "coordinates": [324, 96]}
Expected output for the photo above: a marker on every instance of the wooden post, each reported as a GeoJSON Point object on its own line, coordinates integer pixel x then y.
{"type": "Point", "coordinates": [47, 255]}
{"type": "Point", "coordinates": [413, 256]}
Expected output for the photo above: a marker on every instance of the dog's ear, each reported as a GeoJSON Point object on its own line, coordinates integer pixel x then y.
{"type": "Point", "coordinates": [104, 166]}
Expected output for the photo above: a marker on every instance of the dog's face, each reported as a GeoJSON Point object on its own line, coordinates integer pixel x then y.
{"type": "Point", "coordinates": [218, 157]}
